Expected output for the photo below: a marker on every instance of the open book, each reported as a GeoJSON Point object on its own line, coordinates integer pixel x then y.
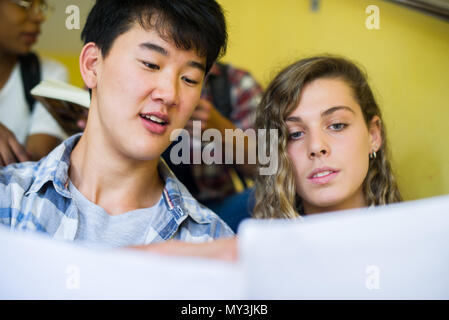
{"type": "Point", "coordinates": [66, 103]}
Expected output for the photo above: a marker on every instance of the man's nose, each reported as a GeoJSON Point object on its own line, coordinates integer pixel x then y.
{"type": "Point", "coordinates": [167, 90]}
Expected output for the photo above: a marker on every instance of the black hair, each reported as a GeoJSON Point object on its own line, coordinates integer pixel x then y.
{"type": "Point", "coordinates": [189, 24]}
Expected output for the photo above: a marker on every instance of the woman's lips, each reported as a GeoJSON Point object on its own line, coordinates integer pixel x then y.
{"type": "Point", "coordinates": [30, 37]}
{"type": "Point", "coordinates": [323, 176]}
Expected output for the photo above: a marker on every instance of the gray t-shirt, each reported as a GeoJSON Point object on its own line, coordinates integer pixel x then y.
{"type": "Point", "coordinates": [97, 227]}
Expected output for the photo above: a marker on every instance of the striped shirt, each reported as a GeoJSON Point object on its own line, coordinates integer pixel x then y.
{"type": "Point", "coordinates": [35, 196]}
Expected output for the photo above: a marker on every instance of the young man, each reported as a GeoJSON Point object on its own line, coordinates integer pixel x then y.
{"type": "Point", "coordinates": [145, 62]}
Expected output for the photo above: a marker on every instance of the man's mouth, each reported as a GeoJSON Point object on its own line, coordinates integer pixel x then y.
{"type": "Point", "coordinates": [155, 122]}
{"type": "Point", "coordinates": [153, 118]}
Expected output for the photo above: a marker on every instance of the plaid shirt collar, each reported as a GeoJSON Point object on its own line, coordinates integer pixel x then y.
{"type": "Point", "coordinates": [54, 168]}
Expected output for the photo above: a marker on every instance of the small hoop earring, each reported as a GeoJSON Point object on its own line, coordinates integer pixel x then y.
{"type": "Point", "coordinates": [372, 155]}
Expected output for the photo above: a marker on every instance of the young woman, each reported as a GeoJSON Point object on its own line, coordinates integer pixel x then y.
{"type": "Point", "coordinates": [27, 130]}
{"type": "Point", "coordinates": [332, 148]}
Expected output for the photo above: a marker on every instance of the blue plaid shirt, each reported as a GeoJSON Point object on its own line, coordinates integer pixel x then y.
{"type": "Point", "coordinates": [34, 196]}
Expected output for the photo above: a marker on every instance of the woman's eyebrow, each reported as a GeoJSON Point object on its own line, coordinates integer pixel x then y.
{"type": "Point", "coordinates": [293, 119]}
{"type": "Point", "coordinates": [323, 114]}
{"type": "Point", "coordinates": [336, 108]}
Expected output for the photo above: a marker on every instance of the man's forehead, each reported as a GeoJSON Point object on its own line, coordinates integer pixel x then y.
{"type": "Point", "coordinates": [161, 38]}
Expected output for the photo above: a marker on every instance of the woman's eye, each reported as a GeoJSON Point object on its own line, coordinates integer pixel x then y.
{"type": "Point", "coordinates": [151, 66]}
{"type": "Point", "coordinates": [296, 135]}
{"type": "Point", "coordinates": [338, 126]}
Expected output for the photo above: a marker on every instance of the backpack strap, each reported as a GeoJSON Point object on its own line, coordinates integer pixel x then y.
{"type": "Point", "coordinates": [30, 71]}
{"type": "Point", "coordinates": [221, 90]}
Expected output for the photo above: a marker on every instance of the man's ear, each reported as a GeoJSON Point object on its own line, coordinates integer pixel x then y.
{"type": "Point", "coordinates": [375, 133]}
{"type": "Point", "coordinates": [89, 60]}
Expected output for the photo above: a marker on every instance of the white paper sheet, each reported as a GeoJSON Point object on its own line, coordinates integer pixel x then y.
{"type": "Point", "coordinates": [398, 252]}
{"type": "Point", "coordinates": [33, 267]}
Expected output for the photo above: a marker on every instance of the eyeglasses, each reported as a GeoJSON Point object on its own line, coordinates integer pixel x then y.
{"type": "Point", "coordinates": [34, 6]}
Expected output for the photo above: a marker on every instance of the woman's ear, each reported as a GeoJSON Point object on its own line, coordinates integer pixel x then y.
{"type": "Point", "coordinates": [375, 133]}
{"type": "Point", "coordinates": [89, 58]}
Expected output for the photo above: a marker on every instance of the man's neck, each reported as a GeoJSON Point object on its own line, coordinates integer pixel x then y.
{"type": "Point", "coordinates": [7, 63]}
{"type": "Point", "coordinates": [110, 180]}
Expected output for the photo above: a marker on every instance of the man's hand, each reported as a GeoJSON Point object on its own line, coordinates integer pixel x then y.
{"type": "Point", "coordinates": [11, 150]}
{"type": "Point", "coordinates": [221, 249]}
{"type": "Point", "coordinates": [203, 113]}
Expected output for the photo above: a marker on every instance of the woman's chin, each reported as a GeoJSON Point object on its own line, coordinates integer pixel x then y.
{"type": "Point", "coordinates": [327, 205]}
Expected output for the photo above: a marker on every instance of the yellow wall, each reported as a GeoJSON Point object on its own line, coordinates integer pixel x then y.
{"type": "Point", "coordinates": [407, 61]}
{"type": "Point", "coordinates": [61, 43]}
{"type": "Point", "coordinates": [70, 61]}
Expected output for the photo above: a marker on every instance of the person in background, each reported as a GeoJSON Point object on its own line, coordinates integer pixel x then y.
{"type": "Point", "coordinates": [27, 130]}
{"type": "Point", "coordinates": [229, 100]}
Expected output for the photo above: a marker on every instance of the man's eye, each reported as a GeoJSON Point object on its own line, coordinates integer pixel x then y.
{"type": "Point", "coordinates": [189, 81]}
{"type": "Point", "coordinates": [338, 126]}
{"type": "Point", "coordinates": [296, 135]}
{"type": "Point", "coordinates": [151, 66]}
